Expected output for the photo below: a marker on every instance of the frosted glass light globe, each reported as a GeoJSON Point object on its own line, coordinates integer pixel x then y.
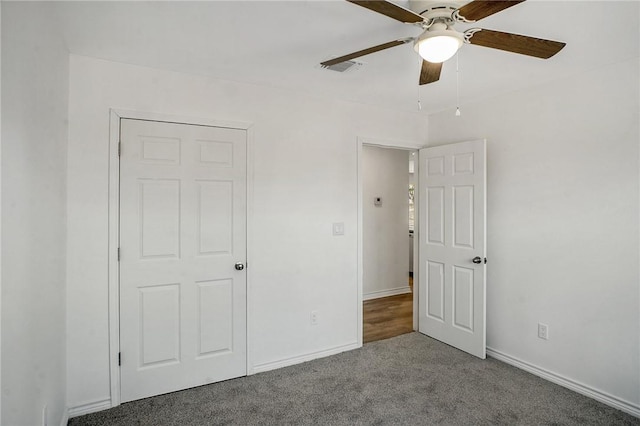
{"type": "Point", "coordinates": [438, 48]}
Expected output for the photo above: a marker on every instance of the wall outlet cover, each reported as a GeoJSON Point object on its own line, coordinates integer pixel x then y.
{"type": "Point", "coordinates": [543, 331]}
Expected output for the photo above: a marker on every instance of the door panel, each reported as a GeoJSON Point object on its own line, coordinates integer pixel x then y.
{"type": "Point", "coordinates": [215, 299]}
{"type": "Point", "coordinates": [435, 203]}
{"type": "Point", "coordinates": [452, 224]}
{"type": "Point", "coordinates": [215, 217]}
{"type": "Point", "coordinates": [159, 324]}
{"type": "Point", "coordinates": [159, 218]}
{"type": "Point", "coordinates": [182, 229]}
{"type": "Point", "coordinates": [435, 292]}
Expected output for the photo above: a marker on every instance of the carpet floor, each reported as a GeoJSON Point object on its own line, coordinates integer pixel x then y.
{"type": "Point", "coordinates": [406, 380]}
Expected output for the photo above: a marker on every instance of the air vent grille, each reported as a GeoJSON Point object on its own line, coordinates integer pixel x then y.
{"type": "Point", "coordinates": [344, 66]}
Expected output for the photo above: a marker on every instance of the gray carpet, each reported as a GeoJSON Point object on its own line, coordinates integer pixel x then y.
{"type": "Point", "coordinates": [409, 379]}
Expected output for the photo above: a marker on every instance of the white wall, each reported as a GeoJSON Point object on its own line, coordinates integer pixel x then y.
{"type": "Point", "coordinates": [385, 174]}
{"type": "Point", "coordinates": [35, 72]}
{"type": "Point", "coordinates": [563, 216]}
{"type": "Point", "coordinates": [305, 178]}
{"type": "Point", "coordinates": [0, 214]}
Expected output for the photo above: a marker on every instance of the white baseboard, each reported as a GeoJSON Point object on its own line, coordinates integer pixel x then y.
{"type": "Point", "coordinates": [91, 407]}
{"type": "Point", "coordinates": [386, 293]}
{"type": "Point", "coordinates": [260, 368]}
{"type": "Point", "coordinates": [558, 379]}
{"type": "Point", "coordinates": [65, 417]}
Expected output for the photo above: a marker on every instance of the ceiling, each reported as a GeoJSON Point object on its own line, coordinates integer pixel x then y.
{"type": "Point", "coordinates": [280, 44]}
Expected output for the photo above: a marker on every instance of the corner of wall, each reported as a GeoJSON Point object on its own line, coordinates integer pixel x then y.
{"type": "Point", "coordinates": [0, 208]}
{"type": "Point", "coordinates": [34, 131]}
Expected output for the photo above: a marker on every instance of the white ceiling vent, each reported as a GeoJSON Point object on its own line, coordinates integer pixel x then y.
{"type": "Point", "coordinates": [343, 66]}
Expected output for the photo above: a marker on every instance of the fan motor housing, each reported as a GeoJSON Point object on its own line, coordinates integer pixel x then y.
{"type": "Point", "coordinates": [432, 9]}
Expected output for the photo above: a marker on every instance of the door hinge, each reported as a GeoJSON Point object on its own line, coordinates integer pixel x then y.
{"type": "Point", "coordinates": [119, 358]}
{"type": "Point", "coordinates": [118, 254]}
{"type": "Point", "coordinates": [119, 149]}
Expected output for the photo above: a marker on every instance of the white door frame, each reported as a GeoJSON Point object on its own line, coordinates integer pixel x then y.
{"type": "Point", "coordinates": [114, 226]}
{"type": "Point", "coordinates": [405, 145]}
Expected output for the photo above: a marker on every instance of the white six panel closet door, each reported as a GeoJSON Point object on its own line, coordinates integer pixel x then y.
{"type": "Point", "coordinates": [182, 230]}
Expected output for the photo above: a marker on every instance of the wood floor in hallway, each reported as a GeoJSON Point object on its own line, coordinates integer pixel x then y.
{"type": "Point", "coordinates": [387, 317]}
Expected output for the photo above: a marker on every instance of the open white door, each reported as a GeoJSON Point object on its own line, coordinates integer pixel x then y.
{"type": "Point", "coordinates": [182, 254]}
{"type": "Point", "coordinates": [452, 245]}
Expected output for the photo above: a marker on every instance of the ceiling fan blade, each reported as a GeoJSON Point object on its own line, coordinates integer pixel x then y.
{"type": "Point", "coordinates": [390, 9]}
{"type": "Point", "coordinates": [530, 46]}
{"type": "Point", "coordinates": [430, 72]}
{"type": "Point", "coordinates": [365, 52]}
{"type": "Point", "coordinates": [478, 9]}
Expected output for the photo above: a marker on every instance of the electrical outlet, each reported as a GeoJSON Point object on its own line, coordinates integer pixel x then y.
{"type": "Point", "coordinates": [543, 331]}
{"type": "Point", "coordinates": [314, 318]}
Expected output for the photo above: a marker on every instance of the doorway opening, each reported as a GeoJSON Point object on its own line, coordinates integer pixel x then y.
{"type": "Point", "coordinates": [388, 217]}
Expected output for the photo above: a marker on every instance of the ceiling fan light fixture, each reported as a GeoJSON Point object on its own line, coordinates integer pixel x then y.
{"type": "Point", "coordinates": [438, 46]}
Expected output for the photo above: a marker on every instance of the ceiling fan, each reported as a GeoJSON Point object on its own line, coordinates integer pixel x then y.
{"type": "Point", "coordinates": [440, 41]}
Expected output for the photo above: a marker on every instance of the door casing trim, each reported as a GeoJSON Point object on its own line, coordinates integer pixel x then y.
{"type": "Point", "coordinates": [115, 115]}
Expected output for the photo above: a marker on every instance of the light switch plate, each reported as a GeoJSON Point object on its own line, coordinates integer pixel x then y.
{"type": "Point", "coordinates": [338, 228]}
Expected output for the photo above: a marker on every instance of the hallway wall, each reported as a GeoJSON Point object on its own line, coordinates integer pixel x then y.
{"type": "Point", "coordinates": [386, 227]}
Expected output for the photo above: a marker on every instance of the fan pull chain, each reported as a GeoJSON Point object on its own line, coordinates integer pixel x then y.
{"type": "Point", "coordinates": [457, 86]}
